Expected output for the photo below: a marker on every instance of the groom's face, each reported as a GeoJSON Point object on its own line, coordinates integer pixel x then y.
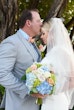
{"type": "Point", "coordinates": [35, 25]}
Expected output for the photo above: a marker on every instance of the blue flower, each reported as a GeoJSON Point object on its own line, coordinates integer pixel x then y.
{"type": "Point", "coordinates": [30, 78]}
{"type": "Point", "coordinates": [44, 88]}
{"type": "Point", "coordinates": [44, 68]}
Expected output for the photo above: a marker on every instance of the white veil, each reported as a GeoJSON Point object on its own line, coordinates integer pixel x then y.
{"type": "Point", "coordinates": [60, 54]}
{"type": "Point", "coordinates": [59, 35]}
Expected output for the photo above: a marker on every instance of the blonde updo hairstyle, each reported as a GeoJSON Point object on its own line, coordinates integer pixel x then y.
{"type": "Point", "coordinates": [46, 26]}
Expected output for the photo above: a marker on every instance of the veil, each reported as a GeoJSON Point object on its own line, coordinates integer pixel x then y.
{"type": "Point", "coordinates": [59, 35]}
{"type": "Point", "coordinates": [60, 55]}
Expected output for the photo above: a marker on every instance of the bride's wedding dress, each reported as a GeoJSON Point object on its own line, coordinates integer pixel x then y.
{"type": "Point", "coordinates": [56, 102]}
{"type": "Point", "coordinates": [60, 59]}
{"type": "Point", "coordinates": [61, 56]}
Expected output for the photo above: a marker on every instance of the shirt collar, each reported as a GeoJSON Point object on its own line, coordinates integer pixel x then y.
{"type": "Point", "coordinates": [26, 36]}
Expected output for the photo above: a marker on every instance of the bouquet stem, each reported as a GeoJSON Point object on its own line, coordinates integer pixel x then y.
{"type": "Point", "coordinates": [39, 101]}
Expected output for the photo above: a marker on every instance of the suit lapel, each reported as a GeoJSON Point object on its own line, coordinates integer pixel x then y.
{"type": "Point", "coordinates": [27, 45]}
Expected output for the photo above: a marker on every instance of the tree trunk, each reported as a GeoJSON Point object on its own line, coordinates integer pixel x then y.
{"type": "Point", "coordinates": [56, 9]}
{"type": "Point", "coordinates": [33, 4]}
{"type": "Point", "coordinates": [8, 9]}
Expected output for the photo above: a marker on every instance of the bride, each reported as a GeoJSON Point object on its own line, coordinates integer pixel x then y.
{"type": "Point", "coordinates": [60, 55]}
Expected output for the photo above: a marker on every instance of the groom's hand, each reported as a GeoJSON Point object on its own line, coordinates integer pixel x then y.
{"type": "Point", "coordinates": [37, 95]}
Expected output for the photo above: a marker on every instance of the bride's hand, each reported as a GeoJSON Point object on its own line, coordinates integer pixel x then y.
{"type": "Point", "coordinates": [37, 95]}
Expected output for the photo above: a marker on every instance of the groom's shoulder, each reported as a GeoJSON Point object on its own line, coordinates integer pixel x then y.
{"type": "Point", "coordinates": [11, 39]}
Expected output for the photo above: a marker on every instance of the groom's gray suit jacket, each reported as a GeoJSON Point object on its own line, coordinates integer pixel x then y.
{"type": "Point", "coordinates": [16, 55]}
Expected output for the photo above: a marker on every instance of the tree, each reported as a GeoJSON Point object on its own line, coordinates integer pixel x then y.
{"type": "Point", "coordinates": [10, 12]}
{"type": "Point", "coordinates": [56, 9]}
{"type": "Point", "coordinates": [8, 9]}
{"type": "Point", "coordinates": [33, 4]}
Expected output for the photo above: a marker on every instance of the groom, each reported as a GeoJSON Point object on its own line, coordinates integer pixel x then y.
{"type": "Point", "coordinates": [17, 53]}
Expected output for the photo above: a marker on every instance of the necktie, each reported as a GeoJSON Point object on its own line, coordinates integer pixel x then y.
{"type": "Point", "coordinates": [36, 51]}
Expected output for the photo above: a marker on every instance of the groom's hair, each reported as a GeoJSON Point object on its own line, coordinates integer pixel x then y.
{"type": "Point", "coordinates": [26, 15]}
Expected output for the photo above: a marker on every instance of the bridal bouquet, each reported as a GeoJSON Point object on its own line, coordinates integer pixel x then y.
{"type": "Point", "coordinates": [40, 78]}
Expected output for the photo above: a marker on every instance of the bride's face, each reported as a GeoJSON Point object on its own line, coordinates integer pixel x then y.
{"type": "Point", "coordinates": [44, 35]}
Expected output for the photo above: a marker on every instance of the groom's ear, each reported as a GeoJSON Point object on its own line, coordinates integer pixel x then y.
{"type": "Point", "coordinates": [28, 23]}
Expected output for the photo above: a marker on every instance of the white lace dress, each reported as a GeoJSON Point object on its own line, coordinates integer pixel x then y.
{"type": "Point", "coordinates": [56, 102]}
{"type": "Point", "coordinates": [59, 58]}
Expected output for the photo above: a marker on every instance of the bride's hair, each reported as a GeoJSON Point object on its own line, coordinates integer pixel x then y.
{"type": "Point", "coordinates": [46, 26]}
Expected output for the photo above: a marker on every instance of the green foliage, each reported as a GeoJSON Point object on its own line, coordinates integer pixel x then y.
{"type": "Point", "coordinates": [28, 70]}
{"type": "Point", "coordinates": [22, 4]}
{"type": "Point", "coordinates": [1, 89]}
{"type": "Point", "coordinates": [1, 93]}
{"type": "Point", "coordinates": [69, 11]}
{"type": "Point", "coordinates": [38, 65]}
{"type": "Point", "coordinates": [36, 83]}
{"type": "Point", "coordinates": [53, 77]}
{"type": "Point", "coordinates": [23, 77]}
{"type": "Point", "coordinates": [44, 7]}
{"type": "Point", "coordinates": [33, 91]}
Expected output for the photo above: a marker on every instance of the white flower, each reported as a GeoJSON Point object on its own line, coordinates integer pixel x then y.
{"type": "Point", "coordinates": [47, 74]}
{"type": "Point", "coordinates": [41, 77]}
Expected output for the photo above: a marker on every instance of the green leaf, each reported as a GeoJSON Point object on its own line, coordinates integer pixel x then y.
{"type": "Point", "coordinates": [2, 90]}
{"type": "Point", "coordinates": [36, 82]}
{"type": "Point", "coordinates": [53, 76]}
{"type": "Point", "coordinates": [38, 65]}
{"type": "Point", "coordinates": [23, 77]}
{"type": "Point", "coordinates": [33, 90]}
{"type": "Point", "coordinates": [28, 70]}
